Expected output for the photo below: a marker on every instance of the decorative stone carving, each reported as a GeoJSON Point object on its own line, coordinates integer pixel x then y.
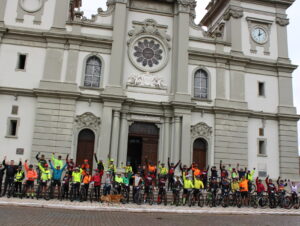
{"type": "Point", "coordinates": [88, 120]}
{"type": "Point", "coordinates": [110, 8]}
{"type": "Point", "coordinates": [148, 46]}
{"type": "Point", "coordinates": [201, 130]}
{"type": "Point", "coordinates": [30, 7]}
{"type": "Point", "coordinates": [146, 80]}
{"type": "Point", "coordinates": [235, 13]}
{"type": "Point", "coordinates": [282, 21]}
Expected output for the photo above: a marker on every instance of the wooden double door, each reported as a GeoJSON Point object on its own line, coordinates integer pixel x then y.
{"type": "Point", "coordinates": [200, 153]}
{"type": "Point", "coordinates": [85, 147]}
{"type": "Point", "coordinates": [142, 143]}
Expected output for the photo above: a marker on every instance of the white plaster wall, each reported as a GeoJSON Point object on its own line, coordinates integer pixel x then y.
{"type": "Point", "coordinates": [30, 78]}
{"type": "Point", "coordinates": [196, 32]}
{"type": "Point", "coordinates": [269, 102]}
{"type": "Point", "coordinates": [201, 45]}
{"type": "Point", "coordinates": [84, 106]}
{"type": "Point", "coordinates": [96, 31]}
{"type": "Point", "coordinates": [210, 121]}
{"type": "Point", "coordinates": [47, 17]}
{"type": "Point", "coordinates": [270, 163]}
{"type": "Point", "coordinates": [26, 115]}
{"type": "Point", "coordinates": [246, 37]}
{"type": "Point", "coordinates": [212, 85]}
{"type": "Point", "coordinates": [261, 8]}
{"type": "Point", "coordinates": [80, 69]}
{"type": "Point", "coordinates": [104, 19]}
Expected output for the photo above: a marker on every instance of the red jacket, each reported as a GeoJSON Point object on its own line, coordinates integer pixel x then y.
{"type": "Point", "coordinates": [259, 187]}
{"type": "Point", "coordinates": [96, 179]}
{"type": "Point", "coordinates": [270, 186]}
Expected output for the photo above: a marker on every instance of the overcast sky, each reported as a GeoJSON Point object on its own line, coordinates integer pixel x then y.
{"type": "Point", "coordinates": [91, 6]}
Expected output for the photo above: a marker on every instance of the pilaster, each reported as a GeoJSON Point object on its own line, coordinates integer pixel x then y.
{"type": "Point", "coordinates": [2, 11]}
{"type": "Point", "coordinates": [186, 156]}
{"type": "Point", "coordinates": [176, 140]}
{"type": "Point", "coordinates": [72, 62]}
{"type": "Point", "coordinates": [166, 139]}
{"type": "Point", "coordinates": [115, 86]}
{"type": "Point", "coordinates": [61, 15]}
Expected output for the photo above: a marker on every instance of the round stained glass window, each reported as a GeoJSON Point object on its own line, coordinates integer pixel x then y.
{"type": "Point", "coordinates": [148, 54]}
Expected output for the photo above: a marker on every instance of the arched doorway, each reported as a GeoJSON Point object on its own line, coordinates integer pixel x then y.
{"type": "Point", "coordinates": [200, 152]}
{"type": "Point", "coordinates": [142, 142]}
{"type": "Point", "coordinates": [85, 147]}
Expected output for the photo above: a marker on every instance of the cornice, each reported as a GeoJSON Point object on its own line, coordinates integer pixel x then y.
{"type": "Point", "coordinates": [87, 23]}
{"type": "Point", "coordinates": [129, 102]}
{"type": "Point", "coordinates": [209, 40]}
{"type": "Point", "coordinates": [247, 62]}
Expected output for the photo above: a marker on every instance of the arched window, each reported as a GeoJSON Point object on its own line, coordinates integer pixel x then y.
{"type": "Point", "coordinates": [92, 72]}
{"type": "Point", "coordinates": [201, 84]}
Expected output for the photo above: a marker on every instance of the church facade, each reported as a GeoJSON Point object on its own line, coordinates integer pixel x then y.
{"type": "Point", "coordinates": [142, 80]}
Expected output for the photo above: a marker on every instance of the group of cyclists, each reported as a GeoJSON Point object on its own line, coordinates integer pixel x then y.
{"type": "Point", "coordinates": [189, 185]}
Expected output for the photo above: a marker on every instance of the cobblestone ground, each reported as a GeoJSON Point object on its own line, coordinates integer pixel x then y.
{"type": "Point", "coordinates": [15, 216]}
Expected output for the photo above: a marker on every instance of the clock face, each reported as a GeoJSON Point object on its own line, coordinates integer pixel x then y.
{"type": "Point", "coordinates": [259, 35]}
{"type": "Point", "coordinates": [31, 5]}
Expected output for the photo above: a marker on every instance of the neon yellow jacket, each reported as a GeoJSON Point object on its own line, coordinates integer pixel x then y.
{"type": "Point", "coordinates": [163, 170]}
{"type": "Point", "coordinates": [46, 174]}
{"type": "Point", "coordinates": [198, 184]}
{"type": "Point", "coordinates": [118, 179]}
{"type": "Point", "coordinates": [187, 184]}
{"type": "Point", "coordinates": [57, 162]}
{"type": "Point", "coordinates": [76, 176]}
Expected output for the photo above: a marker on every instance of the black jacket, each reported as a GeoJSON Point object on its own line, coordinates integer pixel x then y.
{"type": "Point", "coordinates": [11, 170]}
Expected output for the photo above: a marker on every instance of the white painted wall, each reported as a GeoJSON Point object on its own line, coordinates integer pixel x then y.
{"type": "Point", "coordinates": [269, 103]}
{"type": "Point", "coordinates": [26, 115]}
{"type": "Point", "coordinates": [47, 18]}
{"type": "Point", "coordinates": [270, 163]}
{"type": "Point", "coordinates": [83, 107]}
{"type": "Point", "coordinates": [34, 68]}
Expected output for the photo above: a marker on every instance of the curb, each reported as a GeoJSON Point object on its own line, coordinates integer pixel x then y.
{"type": "Point", "coordinates": [149, 210]}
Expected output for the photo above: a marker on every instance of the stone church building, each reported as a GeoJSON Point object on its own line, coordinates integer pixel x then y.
{"type": "Point", "coordinates": [141, 79]}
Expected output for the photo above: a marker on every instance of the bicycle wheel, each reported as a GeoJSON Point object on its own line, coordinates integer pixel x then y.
{"type": "Point", "coordinates": [151, 198]}
{"type": "Point", "coordinates": [38, 191]}
{"type": "Point", "coordinates": [224, 201]}
{"type": "Point", "coordinates": [72, 194]}
{"type": "Point", "coordinates": [200, 200]}
{"type": "Point", "coordinates": [138, 198]}
{"type": "Point", "coordinates": [165, 199]}
{"type": "Point", "coordinates": [190, 199]}
{"type": "Point", "coordinates": [239, 201]}
{"type": "Point", "coordinates": [48, 193]}
{"type": "Point", "coordinates": [82, 194]}
{"type": "Point", "coordinates": [92, 195]}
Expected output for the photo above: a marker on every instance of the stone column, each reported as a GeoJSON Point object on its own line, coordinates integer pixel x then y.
{"type": "Point", "coordinates": [2, 11]}
{"type": "Point", "coordinates": [123, 144]}
{"type": "Point", "coordinates": [72, 62]}
{"type": "Point", "coordinates": [186, 139]}
{"type": "Point", "coordinates": [61, 15]}
{"type": "Point", "coordinates": [115, 135]}
{"type": "Point", "coordinates": [177, 139]}
{"type": "Point", "coordinates": [282, 41]}
{"type": "Point", "coordinates": [180, 52]}
{"type": "Point", "coordinates": [221, 79]}
{"type": "Point", "coordinates": [115, 79]}
{"type": "Point", "coordinates": [166, 139]}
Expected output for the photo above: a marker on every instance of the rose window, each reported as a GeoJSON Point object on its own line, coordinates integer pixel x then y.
{"type": "Point", "coordinates": [148, 53]}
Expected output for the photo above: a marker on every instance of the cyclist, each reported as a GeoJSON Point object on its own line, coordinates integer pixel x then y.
{"type": "Point", "coordinates": [111, 167]}
{"type": "Point", "coordinates": [2, 170]}
{"type": "Point", "coordinates": [65, 184]}
{"type": "Point", "coordinates": [126, 182]}
{"type": "Point", "coordinates": [31, 175]}
{"type": "Point", "coordinates": [118, 180]}
{"type": "Point", "coordinates": [162, 182]}
{"type": "Point", "coordinates": [196, 171]}
{"type": "Point", "coordinates": [198, 185]}
{"type": "Point", "coordinates": [281, 185]}
{"type": "Point", "coordinates": [85, 166]}
{"type": "Point", "coordinates": [214, 172]}
{"type": "Point", "coordinates": [41, 160]}
{"type": "Point", "coordinates": [225, 186]}
{"type": "Point", "coordinates": [100, 166]}
{"type": "Point", "coordinates": [76, 180]}
{"type": "Point", "coordinates": [107, 183]}
{"type": "Point", "coordinates": [294, 189]}
{"type": "Point", "coordinates": [233, 173]}
{"type": "Point", "coordinates": [56, 176]}
{"type": "Point", "coordinates": [148, 180]}
{"type": "Point", "coordinates": [176, 187]}
{"type": "Point", "coordinates": [260, 188]}
{"type": "Point", "coordinates": [213, 188]}
{"type": "Point", "coordinates": [57, 161]}
{"type": "Point", "coordinates": [235, 185]}
{"type": "Point", "coordinates": [86, 179]}
{"type": "Point", "coordinates": [171, 171]}
{"type": "Point", "coordinates": [241, 171]}
{"type": "Point", "coordinates": [162, 169]}
{"type": "Point", "coordinates": [151, 168]}
{"type": "Point", "coordinates": [244, 190]}
{"type": "Point", "coordinates": [249, 177]}
{"type": "Point", "coordinates": [70, 165]}
{"type": "Point", "coordinates": [184, 169]}
{"type": "Point", "coordinates": [137, 181]}
{"type": "Point", "coordinates": [11, 170]}
{"type": "Point", "coordinates": [271, 188]}
{"type": "Point", "coordinates": [19, 177]}
{"type": "Point", "coordinates": [204, 175]}
{"type": "Point", "coordinates": [128, 171]}
{"type": "Point", "coordinates": [187, 185]}
{"type": "Point", "coordinates": [97, 177]}
{"type": "Point", "coordinates": [224, 173]}
{"type": "Point", "coordinates": [45, 177]}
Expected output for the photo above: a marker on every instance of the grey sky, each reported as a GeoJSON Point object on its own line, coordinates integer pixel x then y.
{"type": "Point", "coordinates": [91, 6]}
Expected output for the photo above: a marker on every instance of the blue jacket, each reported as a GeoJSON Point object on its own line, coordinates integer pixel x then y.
{"type": "Point", "coordinates": [57, 173]}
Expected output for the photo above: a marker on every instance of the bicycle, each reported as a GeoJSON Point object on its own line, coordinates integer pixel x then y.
{"type": "Point", "coordinates": [150, 196]}
{"type": "Point", "coordinates": [125, 193]}
{"type": "Point", "coordinates": [138, 196]}
{"type": "Point", "coordinates": [293, 201]}
{"type": "Point", "coordinates": [272, 199]}
{"type": "Point", "coordinates": [225, 198]}
{"type": "Point", "coordinates": [82, 193]}
{"type": "Point", "coordinates": [176, 193]}
{"type": "Point", "coordinates": [74, 191]}
{"type": "Point", "coordinates": [162, 194]}
{"type": "Point", "coordinates": [190, 197]}
{"type": "Point", "coordinates": [64, 190]}
{"type": "Point", "coordinates": [11, 190]}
